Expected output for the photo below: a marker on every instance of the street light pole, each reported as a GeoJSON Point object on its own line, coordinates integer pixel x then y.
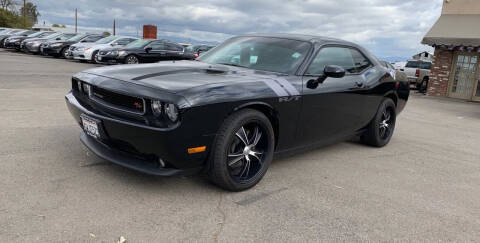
{"type": "Point", "coordinates": [76, 21]}
{"type": "Point", "coordinates": [24, 13]}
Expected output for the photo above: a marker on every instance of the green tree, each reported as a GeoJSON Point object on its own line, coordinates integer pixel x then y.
{"type": "Point", "coordinates": [56, 25]}
{"type": "Point", "coordinates": [31, 13]}
{"type": "Point", "coordinates": [106, 33]}
{"type": "Point", "coordinates": [10, 19]}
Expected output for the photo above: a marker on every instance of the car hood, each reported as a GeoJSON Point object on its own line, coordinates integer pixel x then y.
{"type": "Point", "coordinates": [178, 76]}
{"type": "Point", "coordinates": [36, 39]}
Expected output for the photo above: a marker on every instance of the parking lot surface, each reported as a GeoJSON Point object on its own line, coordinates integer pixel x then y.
{"type": "Point", "coordinates": [424, 186]}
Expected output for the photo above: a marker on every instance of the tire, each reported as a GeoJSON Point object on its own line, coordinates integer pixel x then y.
{"type": "Point", "coordinates": [64, 52]}
{"type": "Point", "coordinates": [94, 57]}
{"type": "Point", "coordinates": [132, 59]}
{"type": "Point", "coordinates": [236, 164]}
{"type": "Point", "coordinates": [422, 88]}
{"type": "Point", "coordinates": [381, 128]}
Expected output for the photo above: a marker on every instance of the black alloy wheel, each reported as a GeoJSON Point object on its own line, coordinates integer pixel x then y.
{"type": "Point", "coordinates": [243, 151]}
{"type": "Point", "coordinates": [380, 130]}
{"type": "Point", "coordinates": [131, 60]}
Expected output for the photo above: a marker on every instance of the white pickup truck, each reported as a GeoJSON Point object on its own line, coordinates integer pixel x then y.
{"type": "Point", "coordinates": [418, 73]}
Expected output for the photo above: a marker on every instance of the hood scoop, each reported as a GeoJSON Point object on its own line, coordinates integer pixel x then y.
{"type": "Point", "coordinates": [209, 70]}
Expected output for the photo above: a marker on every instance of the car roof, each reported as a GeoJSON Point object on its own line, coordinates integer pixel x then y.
{"type": "Point", "coordinates": [301, 37]}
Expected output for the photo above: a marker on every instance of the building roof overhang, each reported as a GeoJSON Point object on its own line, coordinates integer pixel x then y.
{"type": "Point", "coordinates": [454, 30]}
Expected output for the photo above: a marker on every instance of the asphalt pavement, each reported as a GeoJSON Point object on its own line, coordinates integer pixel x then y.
{"type": "Point", "coordinates": [424, 186]}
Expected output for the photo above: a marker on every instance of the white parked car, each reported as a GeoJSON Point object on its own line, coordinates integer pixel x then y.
{"type": "Point", "coordinates": [89, 51]}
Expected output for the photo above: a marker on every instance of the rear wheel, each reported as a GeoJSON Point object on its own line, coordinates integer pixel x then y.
{"type": "Point", "coordinates": [94, 57]}
{"type": "Point", "coordinates": [64, 52]}
{"type": "Point", "coordinates": [131, 59]}
{"type": "Point", "coordinates": [380, 130]}
{"type": "Point", "coordinates": [243, 151]}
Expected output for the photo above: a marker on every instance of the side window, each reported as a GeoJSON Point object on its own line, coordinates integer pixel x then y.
{"type": "Point", "coordinates": [157, 46]}
{"type": "Point", "coordinates": [173, 47]}
{"type": "Point", "coordinates": [92, 38]}
{"type": "Point", "coordinates": [123, 41]}
{"type": "Point", "coordinates": [361, 63]}
{"type": "Point", "coordinates": [331, 56]}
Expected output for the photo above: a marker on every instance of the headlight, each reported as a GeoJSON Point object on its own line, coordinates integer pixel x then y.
{"type": "Point", "coordinates": [87, 89]}
{"type": "Point", "coordinates": [36, 43]}
{"type": "Point", "coordinates": [156, 107]}
{"type": "Point", "coordinates": [56, 45]}
{"type": "Point", "coordinates": [114, 53]}
{"type": "Point", "coordinates": [172, 112]}
{"type": "Point", "coordinates": [80, 49]}
{"type": "Point", "coordinates": [88, 48]}
{"type": "Point", "coordinates": [122, 53]}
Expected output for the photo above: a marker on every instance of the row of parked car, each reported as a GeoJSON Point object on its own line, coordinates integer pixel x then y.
{"type": "Point", "coordinates": [97, 48]}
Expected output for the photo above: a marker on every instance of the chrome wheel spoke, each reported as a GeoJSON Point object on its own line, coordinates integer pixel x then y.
{"type": "Point", "coordinates": [242, 135]}
{"type": "Point", "coordinates": [235, 158]}
{"type": "Point", "coordinates": [257, 155]}
{"type": "Point", "coordinates": [246, 168]}
{"type": "Point", "coordinates": [256, 136]}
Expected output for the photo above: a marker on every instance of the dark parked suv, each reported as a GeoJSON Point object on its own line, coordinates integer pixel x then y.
{"type": "Point", "coordinates": [142, 51]}
{"type": "Point", "coordinates": [59, 48]}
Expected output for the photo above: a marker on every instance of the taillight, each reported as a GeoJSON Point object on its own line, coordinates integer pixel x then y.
{"type": "Point", "coordinates": [196, 55]}
{"type": "Point", "coordinates": [417, 73]}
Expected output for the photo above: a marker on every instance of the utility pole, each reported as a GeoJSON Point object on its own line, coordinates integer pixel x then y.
{"type": "Point", "coordinates": [25, 13]}
{"type": "Point", "coordinates": [114, 27]}
{"type": "Point", "coordinates": [76, 21]}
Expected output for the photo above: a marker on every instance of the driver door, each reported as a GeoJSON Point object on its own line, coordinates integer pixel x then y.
{"type": "Point", "coordinates": [157, 52]}
{"type": "Point", "coordinates": [331, 111]}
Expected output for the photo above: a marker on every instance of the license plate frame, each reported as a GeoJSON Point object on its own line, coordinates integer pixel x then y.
{"type": "Point", "coordinates": [91, 126]}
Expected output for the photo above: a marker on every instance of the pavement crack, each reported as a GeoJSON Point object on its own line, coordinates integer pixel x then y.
{"type": "Point", "coordinates": [223, 220]}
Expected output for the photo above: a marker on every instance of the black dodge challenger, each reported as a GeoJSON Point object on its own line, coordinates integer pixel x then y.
{"type": "Point", "coordinates": [230, 111]}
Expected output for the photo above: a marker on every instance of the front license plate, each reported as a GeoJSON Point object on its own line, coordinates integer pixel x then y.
{"type": "Point", "coordinates": [41, 49]}
{"type": "Point", "coordinates": [90, 126]}
{"type": "Point", "coordinates": [99, 58]}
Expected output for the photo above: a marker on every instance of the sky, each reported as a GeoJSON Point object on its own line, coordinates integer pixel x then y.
{"type": "Point", "coordinates": [391, 29]}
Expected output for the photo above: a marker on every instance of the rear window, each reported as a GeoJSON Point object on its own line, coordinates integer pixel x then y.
{"type": "Point", "coordinates": [420, 65]}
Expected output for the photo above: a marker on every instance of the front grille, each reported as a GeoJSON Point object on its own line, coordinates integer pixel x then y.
{"type": "Point", "coordinates": [118, 101]}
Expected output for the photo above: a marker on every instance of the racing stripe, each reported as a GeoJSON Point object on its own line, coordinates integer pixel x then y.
{"type": "Point", "coordinates": [276, 88]}
{"type": "Point", "coordinates": [287, 86]}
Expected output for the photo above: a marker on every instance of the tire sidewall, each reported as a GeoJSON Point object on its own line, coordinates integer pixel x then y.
{"type": "Point", "coordinates": [126, 59]}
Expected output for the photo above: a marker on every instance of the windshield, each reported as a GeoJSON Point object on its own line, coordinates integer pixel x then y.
{"type": "Point", "coordinates": [66, 36]}
{"type": "Point", "coordinates": [78, 37]}
{"type": "Point", "coordinates": [418, 64]}
{"type": "Point", "coordinates": [260, 53]}
{"type": "Point", "coordinates": [106, 40]}
{"type": "Point", "coordinates": [138, 44]}
{"type": "Point", "coordinates": [34, 34]}
{"type": "Point", "coordinates": [51, 35]}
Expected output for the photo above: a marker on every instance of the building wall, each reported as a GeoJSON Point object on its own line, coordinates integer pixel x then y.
{"type": "Point", "coordinates": [461, 7]}
{"type": "Point", "coordinates": [440, 73]}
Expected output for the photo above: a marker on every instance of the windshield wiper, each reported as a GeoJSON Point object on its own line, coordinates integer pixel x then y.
{"type": "Point", "coordinates": [232, 64]}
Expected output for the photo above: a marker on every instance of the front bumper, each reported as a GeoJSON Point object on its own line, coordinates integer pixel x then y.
{"type": "Point", "coordinates": [107, 59]}
{"type": "Point", "coordinates": [139, 147]}
{"type": "Point", "coordinates": [13, 45]}
{"type": "Point", "coordinates": [31, 48]}
{"type": "Point", "coordinates": [82, 55]}
{"type": "Point", "coordinates": [46, 50]}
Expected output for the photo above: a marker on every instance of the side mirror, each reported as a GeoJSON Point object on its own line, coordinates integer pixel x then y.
{"type": "Point", "coordinates": [330, 71]}
{"type": "Point", "coordinates": [148, 49]}
{"type": "Point", "coordinates": [334, 71]}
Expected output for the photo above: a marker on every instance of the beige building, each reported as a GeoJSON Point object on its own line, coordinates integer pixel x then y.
{"type": "Point", "coordinates": [456, 39]}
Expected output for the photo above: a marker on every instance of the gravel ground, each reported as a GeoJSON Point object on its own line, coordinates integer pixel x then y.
{"type": "Point", "coordinates": [424, 186]}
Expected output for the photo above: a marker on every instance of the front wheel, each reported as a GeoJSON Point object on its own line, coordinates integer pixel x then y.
{"type": "Point", "coordinates": [64, 53]}
{"type": "Point", "coordinates": [131, 60]}
{"type": "Point", "coordinates": [243, 151]}
{"type": "Point", "coordinates": [381, 128]}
